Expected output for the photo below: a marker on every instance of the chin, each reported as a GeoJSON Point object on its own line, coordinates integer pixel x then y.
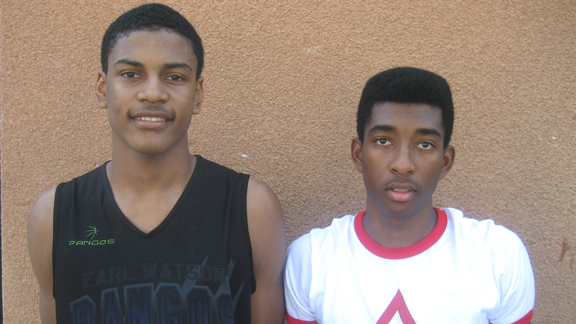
{"type": "Point", "coordinates": [150, 148]}
{"type": "Point", "coordinates": [399, 210]}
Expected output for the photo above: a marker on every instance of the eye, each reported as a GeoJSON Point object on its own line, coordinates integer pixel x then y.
{"type": "Point", "coordinates": [175, 77]}
{"type": "Point", "coordinates": [130, 75]}
{"type": "Point", "coordinates": [426, 146]}
{"type": "Point", "coordinates": [382, 141]}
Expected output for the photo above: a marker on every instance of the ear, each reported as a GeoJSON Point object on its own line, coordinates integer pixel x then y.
{"type": "Point", "coordinates": [197, 106]}
{"type": "Point", "coordinates": [356, 152]}
{"type": "Point", "coordinates": [449, 155]}
{"type": "Point", "coordinates": [101, 90]}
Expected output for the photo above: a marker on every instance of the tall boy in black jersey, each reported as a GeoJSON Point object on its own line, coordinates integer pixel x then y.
{"type": "Point", "coordinates": [156, 235]}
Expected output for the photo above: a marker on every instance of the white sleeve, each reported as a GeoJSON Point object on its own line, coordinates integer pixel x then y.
{"type": "Point", "coordinates": [297, 281]}
{"type": "Point", "coordinates": [515, 279]}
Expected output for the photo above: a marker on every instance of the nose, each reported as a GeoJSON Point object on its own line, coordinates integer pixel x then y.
{"type": "Point", "coordinates": [402, 164]}
{"type": "Point", "coordinates": [153, 90]}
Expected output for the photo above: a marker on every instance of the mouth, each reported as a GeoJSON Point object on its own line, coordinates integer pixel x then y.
{"type": "Point", "coordinates": [401, 191]}
{"type": "Point", "coordinates": [401, 195]}
{"type": "Point", "coordinates": [150, 119]}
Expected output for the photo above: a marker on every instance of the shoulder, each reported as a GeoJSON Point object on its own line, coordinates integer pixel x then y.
{"type": "Point", "coordinates": [487, 244]}
{"type": "Point", "coordinates": [300, 249]}
{"type": "Point", "coordinates": [205, 165]}
{"type": "Point", "coordinates": [87, 181]}
{"type": "Point", "coordinates": [490, 245]}
{"type": "Point", "coordinates": [337, 230]}
{"type": "Point", "coordinates": [268, 241]}
{"type": "Point", "coordinates": [481, 230]}
{"type": "Point", "coordinates": [309, 257]}
{"type": "Point", "coordinates": [42, 210]}
{"type": "Point", "coordinates": [322, 239]}
{"type": "Point", "coordinates": [262, 202]}
{"type": "Point", "coordinates": [265, 217]}
{"type": "Point", "coordinates": [493, 245]}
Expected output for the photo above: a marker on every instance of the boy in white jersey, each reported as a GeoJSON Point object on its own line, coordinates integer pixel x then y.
{"type": "Point", "coordinates": [402, 260]}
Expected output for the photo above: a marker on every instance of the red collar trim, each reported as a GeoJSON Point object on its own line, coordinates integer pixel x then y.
{"type": "Point", "coordinates": [406, 252]}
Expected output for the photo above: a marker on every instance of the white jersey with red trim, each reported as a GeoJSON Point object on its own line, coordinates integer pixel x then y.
{"type": "Point", "coordinates": [465, 271]}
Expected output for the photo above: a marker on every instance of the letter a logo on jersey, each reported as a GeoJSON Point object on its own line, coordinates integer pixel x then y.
{"type": "Point", "coordinates": [397, 305]}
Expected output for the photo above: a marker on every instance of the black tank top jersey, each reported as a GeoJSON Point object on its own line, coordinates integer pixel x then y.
{"type": "Point", "coordinates": [195, 267]}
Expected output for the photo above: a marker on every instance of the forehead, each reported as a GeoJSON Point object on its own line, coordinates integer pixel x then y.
{"type": "Point", "coordinates": [143, 44]}
{"type": "Point", "coordinates": [407, 115]}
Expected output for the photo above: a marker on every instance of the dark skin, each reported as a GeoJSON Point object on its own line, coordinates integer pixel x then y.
{"type": "Point", "coordinates": [151, 93]}
{"type": "Point", "coordinates": [402, 158]}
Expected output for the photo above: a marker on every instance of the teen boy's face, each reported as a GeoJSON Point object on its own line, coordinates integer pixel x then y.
{"type": "Point", "coordinates": [150, 91]}
{"type": "Point", "coordinates": [402, 158]}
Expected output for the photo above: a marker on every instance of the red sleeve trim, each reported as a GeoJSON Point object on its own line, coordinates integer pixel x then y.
{"type": "Point", "coordinates": [525, 320]}
{"type": "Point", "coordinates": [292, 320]}
{"type": "Point", "coordinates": [406, 252]}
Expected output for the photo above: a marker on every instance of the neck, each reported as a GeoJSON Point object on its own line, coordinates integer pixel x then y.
{"type": "Point", "coordinates": [139, 172]}
{"type": "Point", "coordinates": [391, 231]}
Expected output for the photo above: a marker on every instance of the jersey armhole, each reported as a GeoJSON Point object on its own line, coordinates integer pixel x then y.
{"type": "Point", "coordinates": [55, 232]}
{"type": "Point", "coordinates": [243, 188]}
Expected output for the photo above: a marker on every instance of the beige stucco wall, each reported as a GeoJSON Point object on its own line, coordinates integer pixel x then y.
{"type": "Point", "coordinates": [283, 79]}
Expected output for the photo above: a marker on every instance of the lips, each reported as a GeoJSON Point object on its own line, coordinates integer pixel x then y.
{"type": "Point", "coordinates": [400, 191]}
{"type": "Point", "coordinates": [151, 118]}
{"type": "Point", "coordinates": [148, 112]}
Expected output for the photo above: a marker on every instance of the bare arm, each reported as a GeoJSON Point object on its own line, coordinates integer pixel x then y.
{"type": "Point", "coordinates": [268, 239]}
{"type": "Point", "coordinates": [40, 246]}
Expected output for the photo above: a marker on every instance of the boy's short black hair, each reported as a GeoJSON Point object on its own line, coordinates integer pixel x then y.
{"type": "Point", "coordinates": [407, 85]}
{"type": "Point", "coordinates": [151, 17]}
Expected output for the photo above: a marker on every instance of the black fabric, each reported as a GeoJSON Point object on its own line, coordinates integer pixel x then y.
{"type": "Point", "coordinates": [195, 267]}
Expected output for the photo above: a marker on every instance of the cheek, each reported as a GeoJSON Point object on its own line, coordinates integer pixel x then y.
{"type": "Point", "coordinates": [372, 172]}
{"type": "Point", "coordinates": [434, 172]}
{"type": "Point", "coordinates": [113, 100]}
{"type": "Point", "coordinates": [377, 161]}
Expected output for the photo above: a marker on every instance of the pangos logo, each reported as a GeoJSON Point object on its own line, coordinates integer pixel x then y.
{"type": "Point", "coordinates": [92, 233]}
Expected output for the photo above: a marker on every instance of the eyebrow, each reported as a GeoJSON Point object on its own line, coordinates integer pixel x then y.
{"type": "Point", "coordinates": [167, 66]}
{"type": "Point", "coordinates": [428, 131]}
{"type": "Point", "coordinates": [178, 65]}
{"type": "Point", "coordinates": [390, 128]}
{"type": "Point", "coordinates": [129, 62]}
{"type": "Point", "coordinates": [382, 128]}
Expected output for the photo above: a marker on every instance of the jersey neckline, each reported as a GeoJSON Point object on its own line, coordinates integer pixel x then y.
{"type": "Point", "coordinates": [110, 195]}
{"type": "Point", "coordinates": [405, 252]}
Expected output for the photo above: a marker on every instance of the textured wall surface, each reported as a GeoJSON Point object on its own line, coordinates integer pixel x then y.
{"type": "Point", "coordinates": [283, 79]}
